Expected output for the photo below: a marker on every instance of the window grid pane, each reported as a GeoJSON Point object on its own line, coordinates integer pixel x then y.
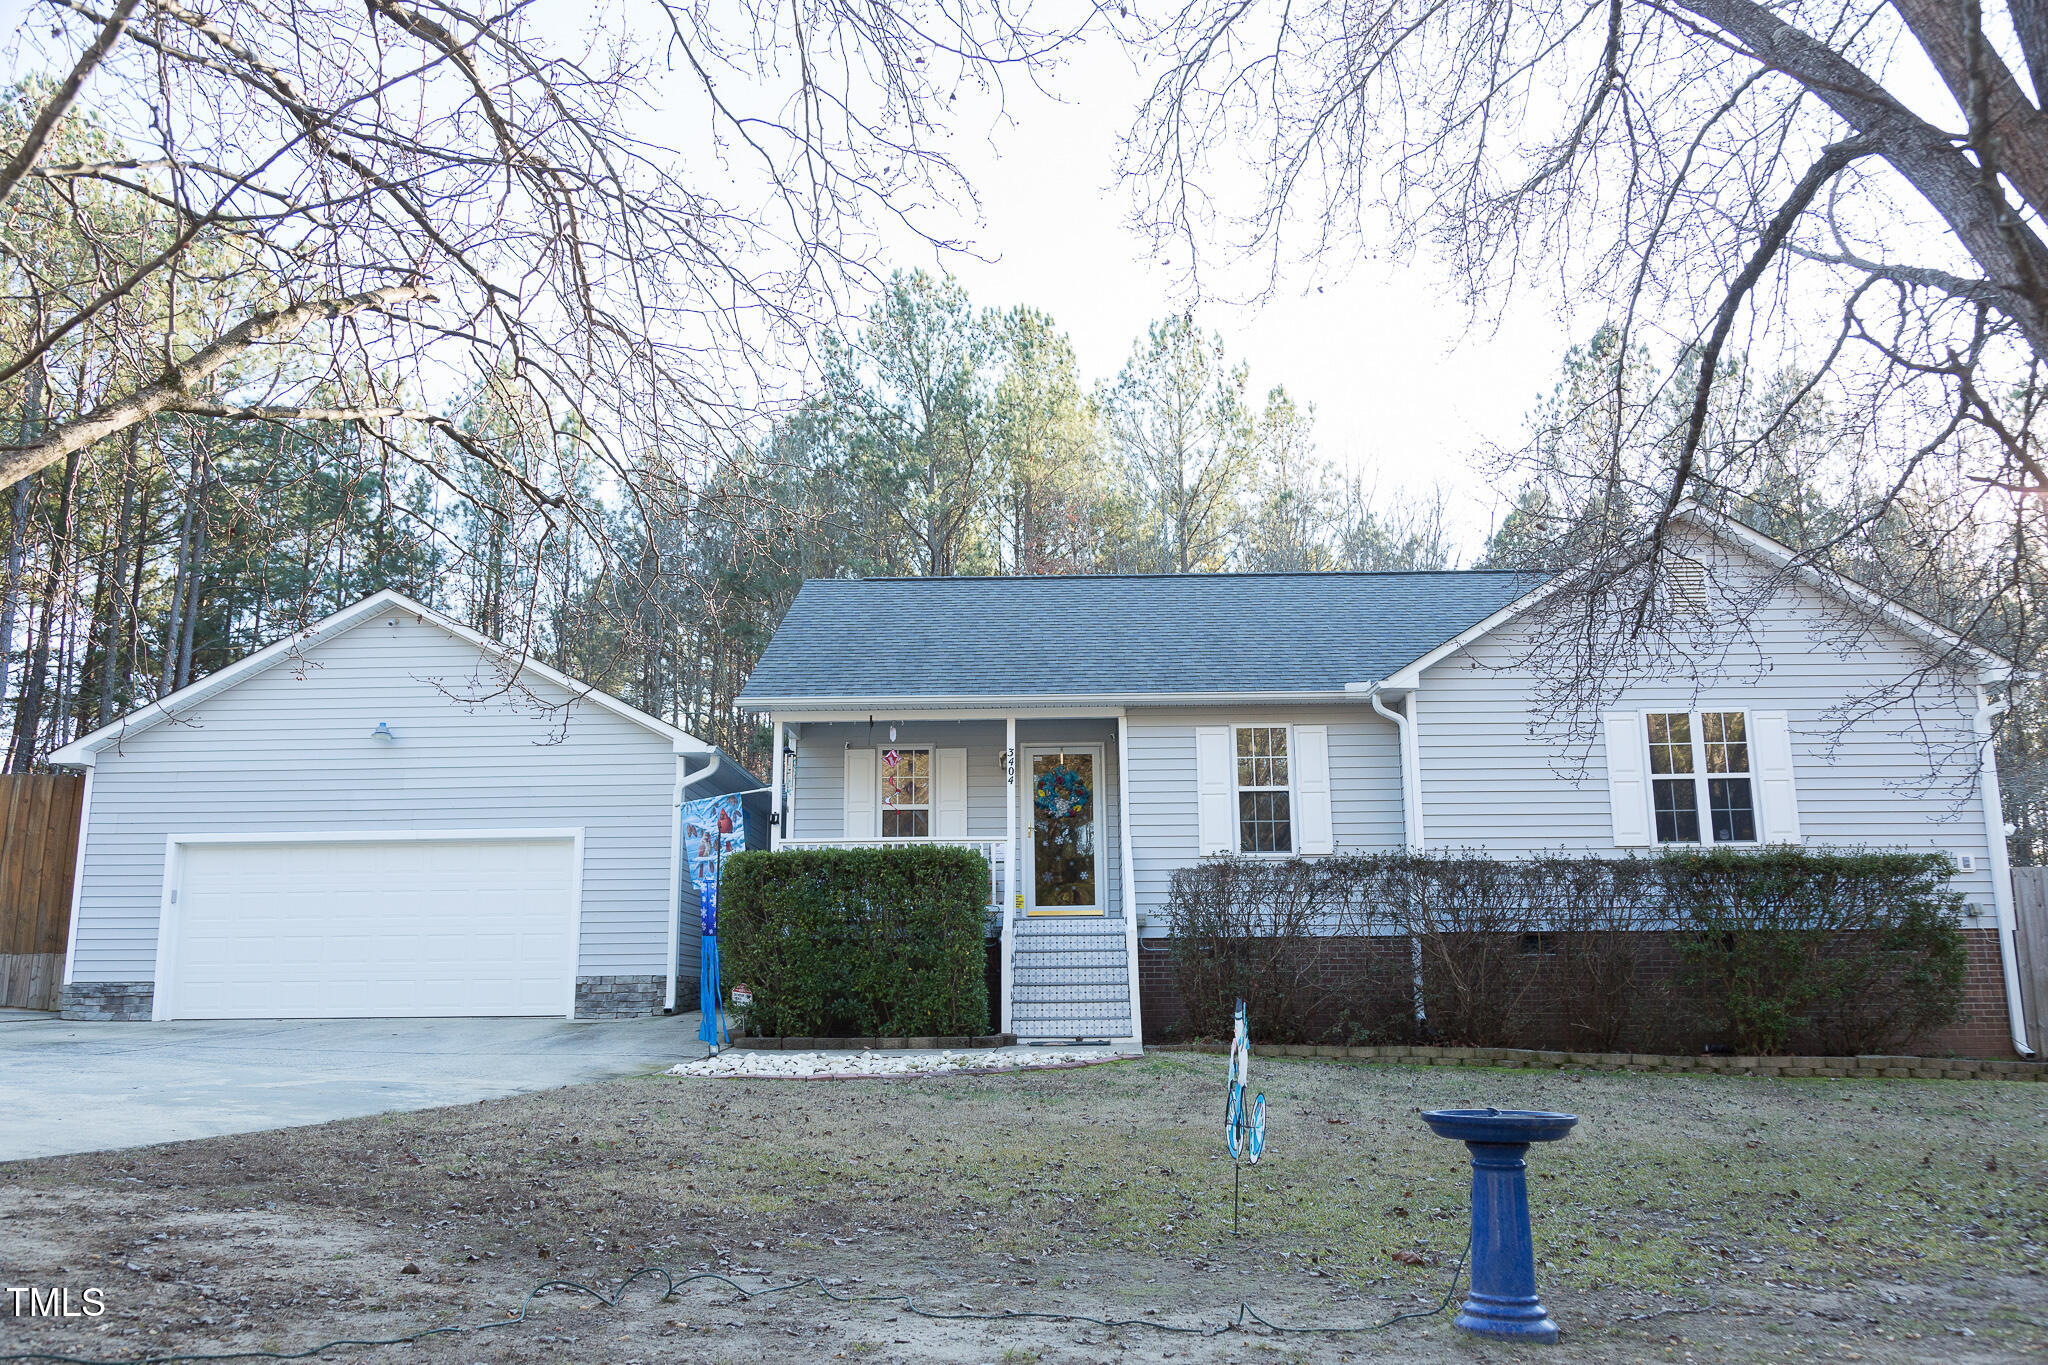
{"type": "Point", "coordinates": [1263, 822]}
{"type": "Point", "coordinates": [1261, 757]}
{"type": "Point", "coordinates": [1678, 812]}
{"type": "Point", "coordinates": [1670, 742]}
{"type": "Point", "coordinates": [1732, 808]}
{"type": "Point", "coordinates": [1727, 742]}
{"type": "Point", "coordinates": [906, 824]}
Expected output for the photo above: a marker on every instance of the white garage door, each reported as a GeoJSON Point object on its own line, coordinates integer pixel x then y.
{"type": "Point", "coordinates": [372, 929]}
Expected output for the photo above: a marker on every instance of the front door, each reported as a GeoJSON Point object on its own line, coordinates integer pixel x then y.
{"type": "Point", "coordinates": [1063, 829]}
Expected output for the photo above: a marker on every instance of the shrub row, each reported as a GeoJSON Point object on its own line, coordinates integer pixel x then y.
{"type": "Point", "coordinates": [1841, 951]}
{"type": "Point", "coordinates": [857, 942]}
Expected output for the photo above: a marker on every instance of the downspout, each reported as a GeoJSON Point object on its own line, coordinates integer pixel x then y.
{"type": "Point", "coordinates": [675, 861]}
{"type": "Point", "coordinates": [1411, 822]}
{"type": "Point", "coordinates": [1411, 770]}
{"type": "Point", "coordinates": [2001, 871]}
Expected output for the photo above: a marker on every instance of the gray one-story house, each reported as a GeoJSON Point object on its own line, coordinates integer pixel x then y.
{"type": "Point", "coordinates": [1093, 734]}
{"type": "Point", "coordinates": [386, 814]}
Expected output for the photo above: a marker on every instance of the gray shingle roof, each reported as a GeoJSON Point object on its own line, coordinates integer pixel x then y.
{"type": "Point", "coordinates": [1115, 635]}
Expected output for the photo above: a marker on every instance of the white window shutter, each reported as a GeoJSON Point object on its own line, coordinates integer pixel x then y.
{"type": "Point", "coordinates": [1313, 831]}
{"type": "Point", "coordinates": [1771, 744]}
{"type": "Point", "coordinates": [1213, 786]}
{"type": "Point", "coordinates": [1628, 780]}
{"type": "Point", "coordinates": [863, 789]}
{"type": "Point", "coordinates": [949, 793]}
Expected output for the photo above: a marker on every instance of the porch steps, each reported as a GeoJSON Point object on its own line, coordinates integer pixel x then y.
{"type": "Point", "coordinates": [1069, 979]}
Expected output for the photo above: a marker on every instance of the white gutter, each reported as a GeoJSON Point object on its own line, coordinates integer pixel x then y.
{"type": "Point", "coordinates": [997, 705]}
{"type": "Point", "coordinates": [675, 862]}
{"type": "Point", "coordinates": [2001, 872]}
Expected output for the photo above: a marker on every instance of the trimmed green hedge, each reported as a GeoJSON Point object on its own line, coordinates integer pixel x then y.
{"type": "Point", "coordinates": [1857, 950]}
{"type": "Point", "coordinates": [857, 942]}
{"type": "Point", "coordinates": [1836, 950]}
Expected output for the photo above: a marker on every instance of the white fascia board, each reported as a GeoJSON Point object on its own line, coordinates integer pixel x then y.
{"type": "Point", "coordinates": [83, 752]}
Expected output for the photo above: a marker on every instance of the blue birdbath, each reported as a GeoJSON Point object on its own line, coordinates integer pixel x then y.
{"type": "Point", "coordinates": [1503, 1300]}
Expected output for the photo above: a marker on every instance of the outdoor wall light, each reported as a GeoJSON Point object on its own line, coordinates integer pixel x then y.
{"type": "Point", "coordinates": [383, 732]}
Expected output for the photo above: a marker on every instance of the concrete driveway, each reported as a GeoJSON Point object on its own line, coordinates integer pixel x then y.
{"type": "Point", "coordinates": [73, 1087]}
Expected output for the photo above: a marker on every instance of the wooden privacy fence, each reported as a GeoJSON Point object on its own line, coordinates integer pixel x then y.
{"type": "Point", "coordinates": [38, 848]}
{"type": "Point", "coordinates": [2030, 919]}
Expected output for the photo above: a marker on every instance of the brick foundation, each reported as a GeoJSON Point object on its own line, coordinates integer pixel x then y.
{"type": "Point", "coordinates": [1375, 977]}
{"type": "Point", "coordinates": [107, 1001]}
{"type": "Point", "coordinates": [619, 997]}
{"type": "Point", "coordinates": [1986, 1026]}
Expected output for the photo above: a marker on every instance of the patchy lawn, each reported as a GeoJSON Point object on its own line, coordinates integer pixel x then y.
{"type": "Point", "coordinates": [1689, 1217]}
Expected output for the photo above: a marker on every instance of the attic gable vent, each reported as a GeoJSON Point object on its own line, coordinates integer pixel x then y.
{"type": "Point", "coordinates": [1686, 580]}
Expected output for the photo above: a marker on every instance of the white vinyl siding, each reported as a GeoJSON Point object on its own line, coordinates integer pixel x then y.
{"type": "Point", "coordinates": [1364, 783]}
{"type": "Point", "coordinates": [1489, 782]}
{"type": "Point", "coordinates": [290, 749]}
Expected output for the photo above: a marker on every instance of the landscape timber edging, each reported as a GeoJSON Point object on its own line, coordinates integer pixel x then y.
{"type": "Point", "coordinates": [1862, 1068]}
{"type": "Point", "coordinates": [742, 1040]}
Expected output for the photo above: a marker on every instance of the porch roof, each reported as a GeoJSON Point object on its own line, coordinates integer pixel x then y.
{"type": "Point", "coordinates": [1114, 636]}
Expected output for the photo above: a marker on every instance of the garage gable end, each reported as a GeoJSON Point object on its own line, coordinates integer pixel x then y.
{"type": "Point", "coordinates": [403, 820]}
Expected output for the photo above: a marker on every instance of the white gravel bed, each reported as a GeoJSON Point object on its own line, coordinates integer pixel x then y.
{"type": "Point", "coordinates": [805, 1065]}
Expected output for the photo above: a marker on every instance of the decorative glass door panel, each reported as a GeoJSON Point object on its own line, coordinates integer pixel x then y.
{"type": "Point", "coordinates": [1066, 825]}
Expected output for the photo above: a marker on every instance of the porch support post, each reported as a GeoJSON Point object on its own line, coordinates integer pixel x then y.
{"type": "Point", "coordinates": [1009, 865]}
{"type": "Point", "coordinates": [1130, 876]}
{"type": "Point", "coordinates": [775, 793]}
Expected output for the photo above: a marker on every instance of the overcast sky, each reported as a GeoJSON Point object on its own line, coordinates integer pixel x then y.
{"type": "Point", "coordinates": [1403, 387]}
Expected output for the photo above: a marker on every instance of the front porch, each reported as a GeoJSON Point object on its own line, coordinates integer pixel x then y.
{"type": "Point", "coordinates": [1039, 797]}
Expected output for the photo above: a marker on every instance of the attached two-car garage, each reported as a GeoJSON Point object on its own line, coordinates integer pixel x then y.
{"type": "Point", "coordinates": [388, 815]}
{"type": "Point", "coordinates": [369, 927]}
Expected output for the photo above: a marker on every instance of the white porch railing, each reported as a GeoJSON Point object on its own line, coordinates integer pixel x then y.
{"type": "Point", "coordinates": [994, 850]}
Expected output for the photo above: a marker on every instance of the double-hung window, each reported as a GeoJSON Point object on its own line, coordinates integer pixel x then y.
{"type": "Point", "coordinates": [906, 793]}
{"type": "Point", "coordinates": [1265, 794]}
{"type": "Point", "coordinates": [1702, 789]}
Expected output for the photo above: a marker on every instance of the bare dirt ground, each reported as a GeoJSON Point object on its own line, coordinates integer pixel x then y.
{"type": "Point", "coordinates": [1689, 1218]}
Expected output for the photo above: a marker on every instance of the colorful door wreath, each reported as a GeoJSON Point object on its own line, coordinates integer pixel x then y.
{"type": "Point", "coordinates": [1062, 793]}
